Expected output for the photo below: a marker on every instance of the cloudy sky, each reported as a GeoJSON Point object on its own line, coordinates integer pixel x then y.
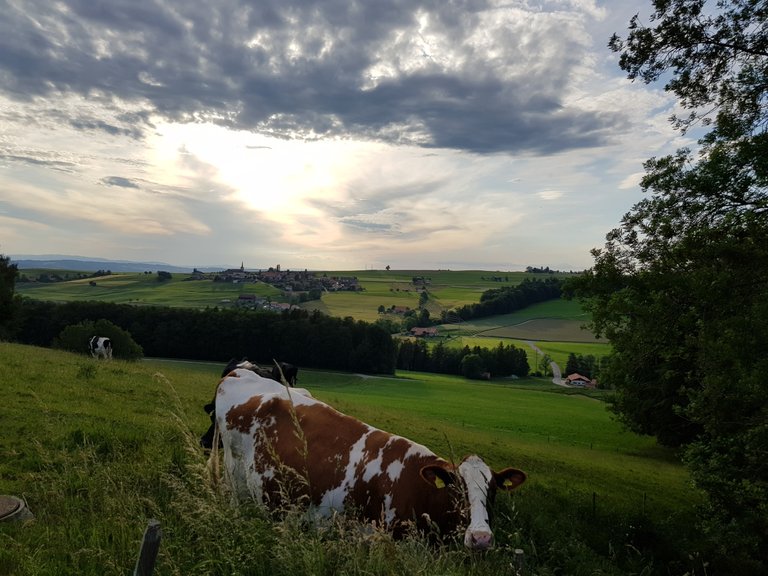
{"type": "Point", "coordinates": [336, 134]}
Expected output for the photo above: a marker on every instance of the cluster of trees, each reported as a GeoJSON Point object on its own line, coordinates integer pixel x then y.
{"type": "Point", "coordinates": [302, 338]}
{"type": "Point", "coordinates": [75, 337]}
{"type": "Point", "coordinates": [51, 277]}
{"type": "Point", "coordinates": [504, 360]}
{"type": "Point", "coordinates": [538, 270]}
{"type": "Point", "coordinates": [510, 299]}
{"type": "Point", "coordinates": [680, 287]}
{"type": "Point", "coordinates": [584, 364]}
{"type": "Point", "coordinates": [9, 301]}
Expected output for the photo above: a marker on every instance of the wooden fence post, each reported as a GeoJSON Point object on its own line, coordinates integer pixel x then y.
{"type": "Point", "coordinates": [519, 561]}
{"type": "Point", "coordinates": [150, 544]}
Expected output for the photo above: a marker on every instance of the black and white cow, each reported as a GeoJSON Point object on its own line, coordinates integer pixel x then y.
{"type": "Point", "coordinates": [100, 347]}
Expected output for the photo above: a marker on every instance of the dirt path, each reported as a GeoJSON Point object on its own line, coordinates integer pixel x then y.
{"type": "Point", "coordinates": [557, 375]}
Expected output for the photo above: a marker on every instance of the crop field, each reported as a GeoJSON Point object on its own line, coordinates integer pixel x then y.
{"type": "Point", "coordinates": [145, 289]}
{"type": "Point", "coordinates": [554, 327]}
{"type": "Point", "coordinates": [447, 289]}
{"type": "Point", "coordinates": [98, 448]}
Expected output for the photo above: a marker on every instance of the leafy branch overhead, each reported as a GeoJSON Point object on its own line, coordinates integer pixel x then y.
{"type": "Point", "coordinates": [680, 287]}
{"type": "Point", "coordinates": [713, 56]}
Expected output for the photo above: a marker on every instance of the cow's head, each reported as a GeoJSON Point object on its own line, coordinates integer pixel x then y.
{"type": "Point", "coordinates": [234, 364]}
{"type": "Point", "coordinates": [477, 484]}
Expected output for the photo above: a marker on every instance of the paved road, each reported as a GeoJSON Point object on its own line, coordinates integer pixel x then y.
{"type": "Point", "coordinates": [557, 375]}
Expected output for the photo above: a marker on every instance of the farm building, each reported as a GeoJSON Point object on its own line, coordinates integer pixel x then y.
{"type": "Point", "coordinates": [578, 380]}
{"type": "Point", "coordinates": [424, 332]}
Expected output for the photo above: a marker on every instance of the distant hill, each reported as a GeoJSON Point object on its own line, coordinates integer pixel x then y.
{"type": "Point", "coordinates": [92, 265]}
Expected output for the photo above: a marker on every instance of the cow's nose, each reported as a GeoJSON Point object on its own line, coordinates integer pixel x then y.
{"type": "Point", "coordinates": [478, 540]}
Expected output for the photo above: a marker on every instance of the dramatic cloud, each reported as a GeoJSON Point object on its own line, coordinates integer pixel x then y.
{"type": "Point", "coordinates": [333, 133]}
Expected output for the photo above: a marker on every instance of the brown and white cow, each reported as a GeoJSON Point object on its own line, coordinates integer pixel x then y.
{"type": "Point", "coordinates": [279, 372]}
{"type": "Point", "coordinates": [280, 445]}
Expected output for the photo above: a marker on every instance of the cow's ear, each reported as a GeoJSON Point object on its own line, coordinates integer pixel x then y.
{"type": "Point", "coordinates": [509, 478]}
{"type": "Point", "coordinates": [437, 476]}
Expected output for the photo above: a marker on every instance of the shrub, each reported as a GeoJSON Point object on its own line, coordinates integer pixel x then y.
{"type": "Point", "coordinates": [75, 338]}
{"type": "Point", "coordinates": [472, 366]}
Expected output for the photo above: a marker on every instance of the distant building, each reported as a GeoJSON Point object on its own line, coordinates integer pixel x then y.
{"type": "Point", "coordinates": [424, 332]}
{"type": "Point", "coordinates": [579, 381]}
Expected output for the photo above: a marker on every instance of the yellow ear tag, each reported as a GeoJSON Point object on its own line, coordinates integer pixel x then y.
{"type": "Point", "coordinates": [439, 482]}
{"type": "Point", "coordinates": [508, 482]}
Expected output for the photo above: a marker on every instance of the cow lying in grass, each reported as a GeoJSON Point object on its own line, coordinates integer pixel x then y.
{"type": "Point", "coordinates": [281, 446]}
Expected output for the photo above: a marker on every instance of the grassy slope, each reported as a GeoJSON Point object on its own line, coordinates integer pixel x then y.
{"type": "Point", "coordinates": [138, 288]}
{"type": "Point", "coordinates": [99, 448]}
{"type": "Point", "coordinates": [447, 289]}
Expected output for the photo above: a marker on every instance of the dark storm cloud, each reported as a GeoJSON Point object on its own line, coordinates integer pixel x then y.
{"type": "Point", "coordinates": [299, 69]}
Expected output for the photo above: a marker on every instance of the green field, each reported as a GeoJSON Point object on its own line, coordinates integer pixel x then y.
{"type": "Point", "coordinates": [97, 449]}
{"type": "Point", "coordinates": [555, 326]}
{"type": "Point", "coordinates": [448, 289]}
{"type": "Point", "coordinates": [145, 289]}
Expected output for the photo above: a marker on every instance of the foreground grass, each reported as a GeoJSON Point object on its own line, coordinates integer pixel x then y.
{"type": "Point", "coordinates": [97, 449]}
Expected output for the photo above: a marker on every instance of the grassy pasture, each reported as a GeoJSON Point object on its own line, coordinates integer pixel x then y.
{"type": "Point", "coordinates": [447, 288]}
{"type": "Point", "coordinates": [96, 449]}
{"type": "Point", "coordinates": [145, 289]}
{"type": "Point", "coordinates": [554, 320]}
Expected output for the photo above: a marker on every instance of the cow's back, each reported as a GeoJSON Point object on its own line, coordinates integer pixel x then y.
{"type": "Point", "coordinates": [278, 449]}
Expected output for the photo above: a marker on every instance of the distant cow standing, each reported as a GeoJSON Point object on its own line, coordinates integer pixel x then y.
{"type": "Point", "coordinates": [281, 444]}
{"type": "Point", "coordinates": [100, 347]}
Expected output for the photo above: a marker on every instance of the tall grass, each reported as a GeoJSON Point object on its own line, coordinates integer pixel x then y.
{"type": "Point", "coordinates": [97, 449]}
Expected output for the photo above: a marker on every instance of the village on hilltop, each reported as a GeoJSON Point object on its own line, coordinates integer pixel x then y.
{"type": "Point", "coordinates": [303, 284]}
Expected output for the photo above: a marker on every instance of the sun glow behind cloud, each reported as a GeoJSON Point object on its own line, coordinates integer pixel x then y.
{"type": "Point", "coordinates": [347, 135]}
{"type": "Point", "coordinates": [370, 197]}
{"type": "Point", "coordinates": [272, 176]}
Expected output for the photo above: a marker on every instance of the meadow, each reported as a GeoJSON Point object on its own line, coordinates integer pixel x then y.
{"type": "Point", "coordinates": [97, 449]}
{"type": "Point", "coordinates": [142, 289]}
{"type": "Point", "coordinates": [556, 327]}
{"type": "Point", "coordinates": [448, 289]}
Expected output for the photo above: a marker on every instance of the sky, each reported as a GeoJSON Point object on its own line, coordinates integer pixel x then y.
{"type": "Point", "coordinates": [333, 135]}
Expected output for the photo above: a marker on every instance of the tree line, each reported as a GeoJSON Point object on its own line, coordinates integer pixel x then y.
{"type": "Point", "coordinates": [299, 337]}
{"type": "Point", "coordinates": [504, 360]}
{"type": "Point", "coordinates": [511, 298]}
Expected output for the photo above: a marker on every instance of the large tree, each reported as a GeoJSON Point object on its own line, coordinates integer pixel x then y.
{"type": "Point", "coordinates": [9, 303]}
{"type": "Point", "coordinates": [681, 285]}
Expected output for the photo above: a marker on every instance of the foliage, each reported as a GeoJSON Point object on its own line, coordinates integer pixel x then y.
{"type": "Point", "coordinates": [9, 302]}
{"type": "Point", "coordinates": [75, 338]}
{"type": "Point", "coordinates": [585, 364]}
{"type": "Point", "coordinates": [504, 360]}
{"type": "Point", "coordinates": [472, 366]}
{"type": "Point", "coordinates": [307, 340]}
{"type": "Point", "coordinates": [675, 288]}
{"type": "Point", "coordinates": [509, 299]}
{"type": "Point", "coordinates": [716, 52]}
